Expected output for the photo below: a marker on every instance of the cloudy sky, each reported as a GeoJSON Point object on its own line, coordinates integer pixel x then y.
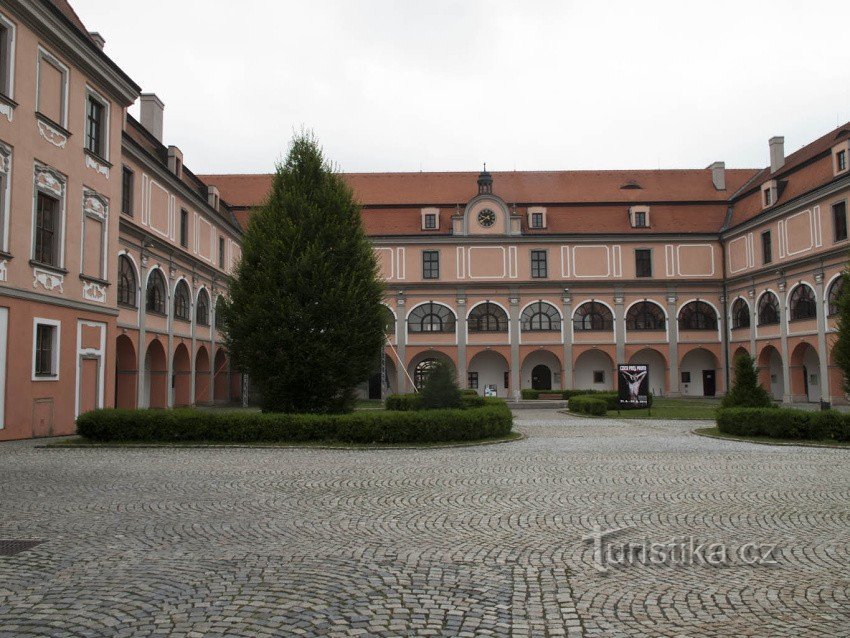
{"type": "Point", "coordinates": [526, 85]}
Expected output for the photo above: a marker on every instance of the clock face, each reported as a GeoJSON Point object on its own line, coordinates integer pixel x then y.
{"type": "Point", "coordinates": [486, 218]}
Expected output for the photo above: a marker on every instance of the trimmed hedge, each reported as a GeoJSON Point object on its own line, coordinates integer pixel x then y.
{"type": "Point", "coordinates": [368, 426]}
{"type": "Point", "coordinates": [412, 402]}
{"type": "Point", "coordinates": [784, 423]}
{"type": "Point", "coordinates": [529, 394]}
{"type": "Point", "coordinates": [589, 404]}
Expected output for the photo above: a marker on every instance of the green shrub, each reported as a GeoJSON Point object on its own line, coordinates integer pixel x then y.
{"type": "Point", "coordinates": [403, 402]}
{"type": "Point", "coordinates": [587, 404]}
{"type": "Point", "coordinates": [472, 400]}
{"type": "Point", "coordinates": [469, 392]}
{"type": "Point", "coordinates": [494, 419]}
{"type": "Point", "coordinates": [784, 423]}
{"type": "Point", "coordinates": [529, 394]}
{"type": "Point", "coordinates": [746, 392]}
{"type": "Point", "coordinates": [441, 389]}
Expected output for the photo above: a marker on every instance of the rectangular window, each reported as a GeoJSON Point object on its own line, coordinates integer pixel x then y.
{"type": "Point", "coordinates": [6, 48]}
{"type": "Point", "coordinates": [430, 264]}
{"type": "Point", "coordinates": [640, 219]}
{"type": "Point", "coordinates": [221, 252]}
{"type": "Point", "coordinates": [537, 220]}
{"type": "Point", "coordinates": [430, 221]}
{"type": "Point", "coordinates": [46, 230]}
{"type": "Point", "coordinates": [45, 350]}
{"type": "Point", "coordinates": [95, 130]}
{"type": "Point", "coordinates": [839, 218]}
{"type": "Point", "coordinates": [539, 268]}
{"type": "Point", "coordinates": [841, 159]}
{"type": "Point", "coordinates": [766, 248]}
{"type": "Point", "coordinates": [472, 380]}
{"type": "Point", "coordinates": [686, 376]}
{"type": "Point", "coordinates": [52, 88]}
{"type": "Point", "coordinates": [599, 376]}
{"type": "Point", "coordinates": [127, 191]}
{"type": "Point", "coordinates": [184, 230]}
{"type": "Point", "coordinates": [643, 262]}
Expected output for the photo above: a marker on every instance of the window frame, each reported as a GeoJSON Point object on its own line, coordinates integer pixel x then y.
{"type": "Point", "coordinates": [100, 137]}
{"type": "Point", "coordinates": [7, 61]}
{"type": "Point", "coordinates": [45, 56]}
{"type": "Point", "coordinates": [835, 226]}
{"type": "Point", "coordinates": [184, 228]}
{"type": "Point", "coordinates": [537, 220]}
{"type": "Point", "coordinates": [768, 294]}
{"type": "Point", "coordinates": [833, 297]}
{"type": "Point", "coordinates": [841, 161]}
{"type": "Point", "coordinates": [202, 301]}
{"type": "Point", "coordinates": [221, 248]}
{"type": "Point", "coordinates": [536, 309]}
{"type": "Point", "coordinates": [487, 309]}
{"type": "Point", "coordinates": [797, 297]}
{"type": "Point", "coordinates": [472, 379]}
{"type": "Point", "coordinates": [597, 309]}
{"type": "Point", "coordinates": [598, 376]}
{"type": "Point", "coordinates": [55, 187]}
{"type": "Point", "coordinates": [737, 306]}
{"type": "Point", "coordinates": [429, 221]}
{"type": "Point", "coordinates": [636, 314]}
{"type": "Point", "coordinates": [162, 308]}
{"type": "Point", "coordinates": [639, 252]}
{"type": "Point", "coordinates": [766, 243]}
{"type": "Point", "coordinates": [694, 309]}
{"type": "Point", "coordinates": [132, 301]}
{"type": "Point", "coordinates": [419, 313]}
{"type": "Point", "coordinates": [182, 301]}
{"type": "Point", "coordinates": [128, 185]}
{"type": "Point", "coordinates": [55, 353]}
{"type": "Point", "coordinates": [539, 262]}
{"type": "Point", "coordinates": [39, 230]}
{"type": "Point", "coordinates": [430, 264]}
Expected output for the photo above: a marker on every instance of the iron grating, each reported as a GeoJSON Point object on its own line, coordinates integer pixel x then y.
{"type": "Point", "coordinates": [10, 547]}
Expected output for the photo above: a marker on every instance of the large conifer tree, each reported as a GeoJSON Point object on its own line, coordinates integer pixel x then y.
{"type": "Point", "coordinates": [842, 344]}
{"type": "Point", "coordinates": [304, 318]}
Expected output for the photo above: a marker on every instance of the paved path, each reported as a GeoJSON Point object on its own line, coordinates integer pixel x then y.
{"type": "Point", "coordinates": [455, 542]}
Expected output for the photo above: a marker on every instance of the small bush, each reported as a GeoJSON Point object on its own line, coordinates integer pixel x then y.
{"type": "Point", "coordinates": [440, 389]}
{"type": "Point", "coordinates": [469, 392]}
{"type": "Point", "coordinates": [403, 402]}
{"type": "Point", "coordinates": [784, 423]}
{"type": "Point", "coordinates": [472, 400]}
{"type": "Point", "coordinates": [587, 404]}
{"type": "Point", "coordinates": [494, 419]}
{"type": "Point", "coordinates": [746, 392]}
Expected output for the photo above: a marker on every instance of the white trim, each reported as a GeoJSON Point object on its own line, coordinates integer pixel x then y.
{"type": "Point", "coordinates": [756, 310]}
{"type": "Point", "coordinates": [521, 332]}
{"type": "Point", "coordinates": [752, 252]}
{"type": "Point", "coordinates": [395, 320]}
{"type": "Point", "coordinates": [730, 319]}
{"type": "Point", "coordinates": [616, 260]}
{"type": "Point", "coordinates": [4, 335]}
{"type": "Point", "coordinates": [817, 226]}
{"type": "Point", "coordinates": [729, 245]}
{"type": "Point", "coordinates": [513, 265]}
{"type": "Point", "coordinates": [679, 259]}
{"type": "Point", "coordinates": [61, 197]}
{"type": "Point", "coordinates": [107, 107]}
{"type": "Point", "coordinates": [138, 273]}
{"type": "Point", "coordinates": [505, 272]}
{"type": "Point", "coordinates": [578, 305]}
{"type": "Point", "coordinates": [669, 260]}
{"type": "Point", "coordinates": [90, 353]}
{"type": "Point", "coordinates": [607, 261]}
{"type": "Point", "coordinates": [400, 264]}
{"type": "Point", "coordinates": [407, 324]}
{"type": "Point", "coordinates": [44, 54]}
{"type": "Point", "coordinates": [57, 342]}
{"type": "Point", "coordinates": [460, 263]}
{"type": "Point", "coordinates": [392, 261]}
{"type": "Point", "coordinates": [495, 303]}
{"type": "Point", "coordinates": [788, 304]}
{"type": "Point", "coordinates": [7, 197]}
{"type": "Point", "coordinates": [717, 314]}
{"type": "Point", "coordinates": [790, 252]}
{"type": "Point", "coordinates": [565, 262]}
{"type": "Point", "coordinates": [626, 320]}
{"type": "Point", "coordinates": [13, 39]}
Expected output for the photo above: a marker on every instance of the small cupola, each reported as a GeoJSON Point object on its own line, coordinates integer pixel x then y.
{"type": "Point", "coordinates": [485, 182]}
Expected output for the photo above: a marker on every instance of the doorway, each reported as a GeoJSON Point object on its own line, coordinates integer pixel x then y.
{"type": "Point", "coordinates": [375, 386]}
{"type": "Point", "coordinates": [541, 377]}
{"type": "Point", "coordinates": [709, 385]}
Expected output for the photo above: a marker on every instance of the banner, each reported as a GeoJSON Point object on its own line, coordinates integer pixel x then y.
{"type": "Point", "coordinates": [633, 386]}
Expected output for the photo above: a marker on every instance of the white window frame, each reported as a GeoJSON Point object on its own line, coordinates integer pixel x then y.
{"type": "Point", "coordinates": [9, 89]}
{"type": "Point", "coordinates": [103, 219]}
{"type": "Point", "coordinates": [92, 94]}
{"type": "Point", "coordinates": [62, 197]}
{"type": "Point", "coordinates": [5, 194]}
{"type": "Point", "coordinates": [57, 341]}
{"type": "Point", "coordinates": [46, 56]}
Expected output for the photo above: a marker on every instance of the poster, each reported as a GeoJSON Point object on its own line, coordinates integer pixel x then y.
{"type": "Point", "coordinates": [633, 386]}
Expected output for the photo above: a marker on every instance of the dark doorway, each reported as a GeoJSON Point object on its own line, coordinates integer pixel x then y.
{"type": "Point", "coordinates": [709, 386]}
{"type": "Point", "coordinates": [541, 378]}
{"type": "Point", "coordinates": [375, 386]}
{"type": "Point", "coordinates": [806, 382]}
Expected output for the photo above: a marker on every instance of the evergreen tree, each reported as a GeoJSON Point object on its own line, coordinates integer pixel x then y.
{"type": "Point", "coordinates": [842, 343]}
{"type": "Point", "coordinates": [304, 318]}
{"type": "Point", "coordinates": [746, 392]}
{"type": "Point", "coordinates": [441, 390]}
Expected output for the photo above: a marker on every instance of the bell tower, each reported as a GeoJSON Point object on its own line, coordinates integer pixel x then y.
{"type": "Point", "coordinates": [485, 182]}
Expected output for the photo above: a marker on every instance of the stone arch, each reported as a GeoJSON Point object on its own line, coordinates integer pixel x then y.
{"type": "Point", "coordinates": [126, 372]}
{"type": "Point", "coordinates": [801, 302]}
{"type": "Point", "coordinates": [594, 370]}
{"type": "Point", "coordinates": [156, 376]}
{"type": "Point", "coordinates": [700, 367]}
{"type": "Point", "coordinates": [202, 375]}
{"type": "Point", "coordinates": [770, 371]}
{"type": "Point", "coordinates": [419, 361]}
{"type": "Point", "coordinates": [533, 375]}
{"type": "Point", "coordinates": [490, 369]}
{"type": "Point", "coordinates": [182, 371]}
{"type": "Point", "coordinates": [804, 371]}
{"type": "Point", "coordinates": [657, 369]}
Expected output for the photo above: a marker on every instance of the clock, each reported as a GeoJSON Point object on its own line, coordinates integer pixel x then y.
{"type": "Point", "coordinates": [486, 218]}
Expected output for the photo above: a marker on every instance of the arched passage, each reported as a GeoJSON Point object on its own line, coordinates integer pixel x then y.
{"type": "Point", "coordinates": [202, 376]}
{"type": "Point", "coordinates": [541, 370]}
{"type": "Point", "coordinates": [657, 369]}
{"type": "Point", "coordinates": [422, 363]}
{"type": "Point", "coordinates": [182, 376]}
{"type": "Point", "coordinates": [156, 376]}
{"type": "Point", "coordinates": [594, 370]}
{"type": "Point", "coordinates": [221, 373]}
{"type": "Point", "coordinates": [699, 373]}
{"type": "Point", "coordinates": [488, 369]}
{"type": "Point", "coordinates": [125, 372]}
{"type": "Point", "coordinates": [770, 372]}
{"type": "Point", "coordinates": [805, 373]}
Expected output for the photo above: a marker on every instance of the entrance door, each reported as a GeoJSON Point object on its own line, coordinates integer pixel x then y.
{"type": "Point", "coordinates": [89, 384]}
{"type": "Point", "coordinates": [4, 326]}
{"type": "Point", "coordinates": [541, 378]}
{"type": "Point", "coordinates": [709, 387]}
{"type": "Point", "coordinates": [375, 386]}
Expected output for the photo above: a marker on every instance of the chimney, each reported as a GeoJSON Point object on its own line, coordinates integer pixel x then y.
{"type": "Point", "coordinates": [151, 114]}
{"type": "Point", "coordinates": [718, 175]}
{"type": "Point", "coordinates": [97, 39]}
{"type": "Point", "coordinates": [777, 153]}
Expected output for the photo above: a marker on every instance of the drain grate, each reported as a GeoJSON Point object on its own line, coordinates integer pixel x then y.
{"type": "Point", "coordinates": [12, 547]}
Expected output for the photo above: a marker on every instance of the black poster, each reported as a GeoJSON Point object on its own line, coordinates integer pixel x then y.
{"type": "Point", "coordinates": [633, 385]}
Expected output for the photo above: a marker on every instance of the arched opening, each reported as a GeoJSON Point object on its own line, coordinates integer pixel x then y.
{"type": "Point", "coordinates": [697, 315]}
{"type": "Point", "coordinates": [431, 317]}
{"type": "Point", "coordinates": [768, 309]}
{"type": "Point", "coordinates": [202, 376]}
{"type": "Point", "coordinates": [836, 290]}
{"type": "Point", "coordinates": [593, 316]}
{"type": "Point", "coordinates": [182, 302]}
{"type": "Point", "coordinates": [182, 371]}
{"type": "Point", "coordinates": [422, 364]}
{"type": "Point", "coordinates": [740, 314]}
{"type": "Point", "coordinates": [202, 308]}
{"type": "Point", "coordinates": [534, 376]}
{"type": "Point", "coordinates": [155, 294]}
{"type": "Point", "coordinates": [594, 370]}
{"type": "Point", "coordinates": [770, 372]}
{"type": "Point", "coordinates": [125, 372]}
{"type": "Point", "coordinates": [645, 315]}
{"type": "Point", "coordinates": [222, 372]}
{"type": "Point", "coordinates": [487, 317]}
{"type": "Point", "coordinates": [657, 369]}
{"type": "Point", "coordinates": [540, 317]}
{"type": "Point", "coordinates": [156, 376]}
{"type": "Point", "coordinates": [802, 304]}
{"type": "Point", "coordinates": [126, 282]}
{"type": "Point", "coordinates": [699, 373]}
{"type": "Point", "coordinates": [805, 373]}
{"type": "Point", "coordinates": [489, 374]}
{"type": "Point", "coordinates": [541, 377]}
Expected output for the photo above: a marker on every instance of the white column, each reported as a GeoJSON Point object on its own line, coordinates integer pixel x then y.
{"type": "Point", "coordinates": [194, 341]}
{"type": "Point", "coordinates": [673, 330]}
{"type": "Point", "coordinates": [754, 317]}
{"type": "Point", "coordinates": [514, 335]}
{"type": "Point", "coordinates": [141, 401]}
{"type": "Point", "coordinates": [461, 342]}
{"type": "Point", "coordinates": [823, 354]}
{"type": "Point", "coordinates": [567, 302]}
{"type": "Point", "coordinates": [619, 330]}
{"type": "Point", "coordinates": [169, 356]}
{"type": "Point", "coordinates": [401, 344]}
{"type": "Point", "coordinates": [783, 338]}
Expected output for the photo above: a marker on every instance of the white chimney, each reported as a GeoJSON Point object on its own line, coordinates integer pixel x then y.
{"type": "Point", "coordinates": [718, 175]}
{"type": "Point", "coordinates": [97, 38]}
{"type": "Point", "coordinates": [151, 114]}
{"type": "Point", "coordinates": [777, 153]}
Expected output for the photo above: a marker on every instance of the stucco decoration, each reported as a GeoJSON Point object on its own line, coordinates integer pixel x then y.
{"type": "Point", "coordinates": [49, 180]}
{"type": "Point", "coordinates": [52, 135]}
{"type": "Point", "coordinates": [93, 291]}
{"type": "Point", "coordinates": [92, 163]}
{"type": "Point", "coordinates": [48, 280]}
{"type": "Point", "coordinates": [3, 272]}
{"type": "Point", "coordinates": [95, 204]}
{"type": "Point", "coordinates": [5, 159]}
{"type": "Point", "coordinates": [7, 110]}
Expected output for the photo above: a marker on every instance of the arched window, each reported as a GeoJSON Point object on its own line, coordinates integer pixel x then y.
{"type": "Point", "coordinates": [487, 317]}
{"type": "Point", "coordinates": [539, 317]}
{"type": "Point", "coordinates": [431, 317]}
{"type": "Point", "coordinates": [740, 314]}
{"type": "Point", "coordinates": [421, 372]}
{"type": "Point", "coordinates": [155, 295]}
{"type": "Point", "coordinates": [697, 315]}
{"type": "Point", "coordinates": [202, 309]}
{"type": "Point", "coordinates": [768, 311]}
{"type": "Point", "coordinates": [181, 301]}
{"type": "Point", "coordinates": [593, 316]}
{"type": "Point", "coordinates": [126, 282]}
{"type": "Point", "coordinates": [803, 305]}
{"type": "Point", "coordinates": [645, 315]}
{"type": "Point", "coordinates": [388, 320]}
{"type": "Point", "coordinates": [836, 289]}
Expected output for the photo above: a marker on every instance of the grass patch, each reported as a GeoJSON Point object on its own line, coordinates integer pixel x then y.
{"type": "Point", "coordinates": [673, 409]}
{"type": "Point", "coordinates": [767, 440]}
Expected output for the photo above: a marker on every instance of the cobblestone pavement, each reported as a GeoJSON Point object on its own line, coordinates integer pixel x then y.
{"type": "Point", "coordinates": [483, 541]}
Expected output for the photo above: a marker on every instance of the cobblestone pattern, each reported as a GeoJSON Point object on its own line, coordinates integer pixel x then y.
{"type": "Point", "coordinates": [483, 541]}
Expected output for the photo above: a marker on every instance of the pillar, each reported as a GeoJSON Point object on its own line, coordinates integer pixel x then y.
{"type": "Point", "coordinates": [169, 356]}
{"type": "Point", "coordinates": [783, 338]}
{"type": "Point", "coordinates": [673, 331]}
{"type": "Point", "coordinates": [567, 301]}
{"type": "Point", "coordinates": [142, 349]}
{"type": "Point", "coordinates": [514, 334]}
{"type": "Point", "coordinates": [619, 330]}
{"type": "Point", "coordinates": [194, 339]}
{"type": "Point", "coordinates": [401, 344]}
{"type": "Point", "coordinates": [823, 354]}
{"type": "Point", "coordinates": [754, 317]}
{"type": "Point", "coordinates": [461, 342]}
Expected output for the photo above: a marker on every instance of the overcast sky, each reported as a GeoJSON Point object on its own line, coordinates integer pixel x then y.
{"type": "Point", "coordinates": [525, 85]}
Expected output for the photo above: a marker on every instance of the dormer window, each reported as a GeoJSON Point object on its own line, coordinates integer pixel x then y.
{"type": "Point", "coordinates": [536, 218]}
{"type": "Point", "coordinates": [768, 197]}
{"type": "Point", "coordinates": [841, 161]}
{"type": "Point", "coordinates": [639, 216]}
{"type": "Point", "coordinates": [175, 161]}
{"type": "Point", "coordinates": [840, 157]}
{"type": "Point", "coordinates": [430, 219]}
{"type": "Point", "coordinates": [769, 193]}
